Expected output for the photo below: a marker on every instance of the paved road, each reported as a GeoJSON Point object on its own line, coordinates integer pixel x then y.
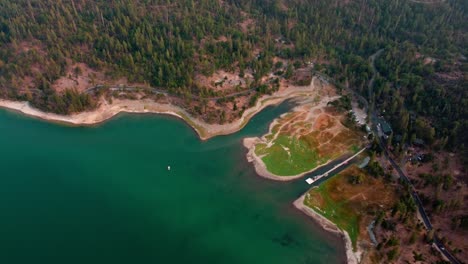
{"type": "Point", "coordinates": [403, 176]}
{"type": "Point", "coordinates": [374, 121]}
{"type": "Point", "coordinates": [419, 204]}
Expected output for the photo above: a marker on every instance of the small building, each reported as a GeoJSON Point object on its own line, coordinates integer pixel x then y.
{"type": "Point", "coordinates": [397, 138]}
{"type": "Point", "coordinates": [368, 130]}
{"type": "Point", "coordinates": [386, 128]}
{"type": "Point", "coordinates": [364, 163]}
{"type": "Point", "coordinates": [418, 142]}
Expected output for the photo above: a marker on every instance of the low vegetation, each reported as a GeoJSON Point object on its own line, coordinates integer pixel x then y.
{"type": "Point", "coordinates": [306, 138]}
{"type": "Point", "coordinates": [288, 156]}
{"type": "Point", "coordinates": [351, 200]}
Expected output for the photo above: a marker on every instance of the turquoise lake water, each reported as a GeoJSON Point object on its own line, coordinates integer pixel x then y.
{"type": "Point", "coordinates": [104, 195]}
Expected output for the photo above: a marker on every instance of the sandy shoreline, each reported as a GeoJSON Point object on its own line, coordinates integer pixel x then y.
{"type": "Point", "coordinates": [351, 256]}
{"type": "Point", "coordinates": [106, 111]}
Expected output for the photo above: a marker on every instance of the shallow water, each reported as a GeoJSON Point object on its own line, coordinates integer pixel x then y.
{"type": "Point", "coordinates": [104, 195]}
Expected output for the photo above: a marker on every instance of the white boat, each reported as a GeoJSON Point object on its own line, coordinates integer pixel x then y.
{"type": "Point", "coordinates": [310, 181]}
{"type": "Point", "coordinates": [168, 168]}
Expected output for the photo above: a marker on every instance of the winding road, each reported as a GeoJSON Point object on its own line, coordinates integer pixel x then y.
{"type": "Point", "coordinates": [374, 121]}
{"type": "Point", "coordinates": [427, 222]}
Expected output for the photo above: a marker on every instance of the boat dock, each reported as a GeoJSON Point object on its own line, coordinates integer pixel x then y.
{"type": "Point", "coordinates": [318, 177]}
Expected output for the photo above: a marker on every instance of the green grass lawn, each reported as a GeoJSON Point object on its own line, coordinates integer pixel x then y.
{"type": "Point", "coordinates": [301, 157]}
{"type": "Point", "coordinates": [336, 211]}
{"type": "Point", "coordinates": [355, 148]}
{"type": "Point", "coordinates": [296, 144]}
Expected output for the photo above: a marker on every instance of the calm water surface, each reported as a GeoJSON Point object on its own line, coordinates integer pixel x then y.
{"type": "Point", "coordinates": [104, 195]}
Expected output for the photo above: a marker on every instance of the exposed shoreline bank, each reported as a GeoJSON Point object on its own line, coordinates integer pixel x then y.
{"type": "Point", "coordinates": [351, 256]}
{"type": "Point", "coordinates": [106, 111]}
{"type": "Point", "coordinates": [260, 166]}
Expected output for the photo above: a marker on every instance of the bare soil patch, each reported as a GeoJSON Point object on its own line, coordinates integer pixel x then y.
{"type": "Point", "coordinates": [305, 138]}
{"type": "Point", "coordinates": [79, 77]}
{"type": "Point", "coordinates": [442, 184]}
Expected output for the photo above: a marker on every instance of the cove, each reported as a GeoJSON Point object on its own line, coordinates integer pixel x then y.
{"type": "Point", "coordinates": [104, 194]}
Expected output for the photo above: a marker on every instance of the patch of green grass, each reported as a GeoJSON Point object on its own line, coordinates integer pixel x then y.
{"type": "Point", "coordinates": [336, 211]}
{"type": "Point", "coordinates": [354, 148]}
{"type": "Point", "coordinates": [288, 156]}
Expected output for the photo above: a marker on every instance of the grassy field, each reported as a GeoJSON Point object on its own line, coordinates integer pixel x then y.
{"type": "Point", "coordinates": [301, 141]}
{"type": "Point", "coordinates": [288, 156]}
{"type": "Point", "coordinates": [350, 206]}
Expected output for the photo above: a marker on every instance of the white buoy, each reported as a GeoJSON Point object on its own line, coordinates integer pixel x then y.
{"type": "Point", "coordinates": [168, 168]}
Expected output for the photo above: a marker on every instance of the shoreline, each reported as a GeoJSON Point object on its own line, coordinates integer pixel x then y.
{"type": "Point", "coordinates": [107, 111]}
{"type": "Point", "coordinates": [351, 256]}
{"type": "Point", "coordinates": [261, 168]}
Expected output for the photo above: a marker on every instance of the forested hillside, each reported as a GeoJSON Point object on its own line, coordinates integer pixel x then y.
{"type": "Point", "coordinates": [167, 43]}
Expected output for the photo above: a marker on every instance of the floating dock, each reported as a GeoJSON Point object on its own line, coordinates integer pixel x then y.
{"type": "Point", "coordinates": [318, 177]}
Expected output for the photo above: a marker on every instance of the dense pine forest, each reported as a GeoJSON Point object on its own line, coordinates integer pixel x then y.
{"type": "Point", "coordinates": [421, 84]}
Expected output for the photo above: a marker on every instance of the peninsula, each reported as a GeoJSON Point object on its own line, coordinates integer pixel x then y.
{"type": "Point", "coordinates": [384, 82]}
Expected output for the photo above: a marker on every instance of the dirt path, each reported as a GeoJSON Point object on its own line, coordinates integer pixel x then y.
{"type": "Point", "coordinates": [98, 87]}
